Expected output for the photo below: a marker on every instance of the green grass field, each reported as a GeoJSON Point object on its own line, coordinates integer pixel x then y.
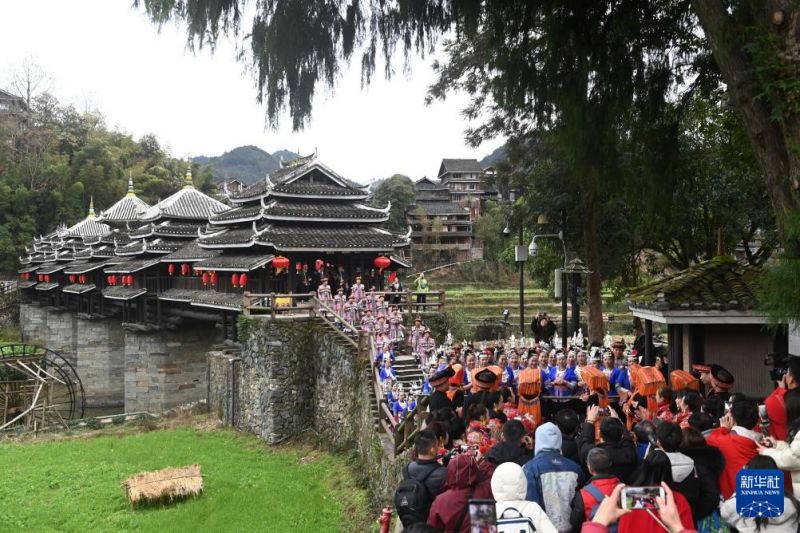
{"type": "Point", "coordinates": [74, 485]}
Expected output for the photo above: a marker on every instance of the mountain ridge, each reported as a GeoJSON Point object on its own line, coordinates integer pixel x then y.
{"type": "Point", "coordinates": [247, 164]}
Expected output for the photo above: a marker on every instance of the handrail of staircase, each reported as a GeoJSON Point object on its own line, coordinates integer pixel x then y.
{"type": "Point", "coordinates": [322, 312]}
{"type": "Point", "coordinates": [407, 430]}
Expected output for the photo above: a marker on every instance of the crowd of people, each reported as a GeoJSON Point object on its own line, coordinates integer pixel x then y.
{"type": "Point", "coordinates": [556, 434]}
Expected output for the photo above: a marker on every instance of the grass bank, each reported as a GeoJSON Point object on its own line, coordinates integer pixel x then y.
{"type": "Point", "coordinates": [74, 484]}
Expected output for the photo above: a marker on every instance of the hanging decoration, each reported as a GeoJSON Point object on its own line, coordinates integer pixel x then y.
{"type": "Point", "coordinates": [47, 278]}
{"type": "Point", "coordinates": [243, 280]}
{"type": "Point", "coordinates": [205, 278]}
{"type": "Point", "coordinates": [82, 278]}
{"type": "Point", "coordinates": [214, 278]}
{"type": "Point", "coordinates": [171, 269]}
{"type": "Point", "coordinates": [72, 278]}
{"type": "Point", "coordinates": [280, 263]}
{"type": "Point", "coordinates": [382, 262]}
{"type": "Point", "coordinates": [185, 269]}
{"type": "Point", "coordinates": [235, 280]}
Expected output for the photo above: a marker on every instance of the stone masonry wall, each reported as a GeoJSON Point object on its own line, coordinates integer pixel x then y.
{"type": "Point", "coordinates": [164, 369]}
{"type": "Point", "coordinates": [299, 375]}
{"type": "Point", "coordinates": [50, 328]}
{"type": "Point", "coordinates": [100, 357]}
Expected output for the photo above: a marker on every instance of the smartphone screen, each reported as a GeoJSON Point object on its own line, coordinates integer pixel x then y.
{"type": "Point", "coordinates": [641, 497]}
{"type": "Point", "coordinates": [482, 516]}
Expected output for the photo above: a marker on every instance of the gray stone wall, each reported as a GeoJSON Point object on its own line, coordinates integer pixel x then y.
{"type": "Point", "coordinates": [164, 369]}
{"type": "Point", "coordinates": [298, 375]}
{"type": "Point", "coordinates": [50, 328]}
{"type": "Point", "coordinates": [100, 354]}
{"type": "Point", "coordinates": [9, 310]}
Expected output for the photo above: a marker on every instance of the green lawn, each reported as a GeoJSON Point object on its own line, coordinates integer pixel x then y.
{"type": "Point", "coordinates": [74, 485]}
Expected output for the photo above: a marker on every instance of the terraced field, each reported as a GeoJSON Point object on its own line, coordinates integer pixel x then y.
{"type": "Point", "coordinates": [484, 300]}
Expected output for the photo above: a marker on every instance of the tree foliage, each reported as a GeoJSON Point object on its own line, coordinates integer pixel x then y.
{"type": "Point", "coordinates": [400, 191]}
{"type": "Point", "coordinates": [55, 159]}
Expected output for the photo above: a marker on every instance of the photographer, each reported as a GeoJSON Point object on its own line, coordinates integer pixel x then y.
{"type": "Point", "coordinates": [776, 408]}
{"type": "Point", "coordinates": [613, 438]}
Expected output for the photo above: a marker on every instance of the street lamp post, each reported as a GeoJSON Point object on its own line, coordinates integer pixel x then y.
{"type": "Point", "coordinates": [533, 249]}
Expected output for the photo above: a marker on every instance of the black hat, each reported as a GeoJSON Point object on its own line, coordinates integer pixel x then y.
{"type": "Point", "coordinates": [721, 377]}
{"type": "Point", "coordinates": [485, 378]}
{"type": "Point", "coordinates": [441, 377]}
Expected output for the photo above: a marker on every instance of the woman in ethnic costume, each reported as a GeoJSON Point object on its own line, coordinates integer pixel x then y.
{"type": "Point", "coordinates": [324, 292]}
{"type": "Point", "coordinates": [396, 326]}
{"type": "Point", "coordinates": [416, 334]}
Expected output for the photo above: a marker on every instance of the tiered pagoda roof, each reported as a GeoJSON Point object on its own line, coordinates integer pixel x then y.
{"type": "Point", "coordinates": [303, 207]}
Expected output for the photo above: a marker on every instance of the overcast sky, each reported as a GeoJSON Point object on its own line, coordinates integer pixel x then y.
{"type": "Point", "coordinates": [105, 53]}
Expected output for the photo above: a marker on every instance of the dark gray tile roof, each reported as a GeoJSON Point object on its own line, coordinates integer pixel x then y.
{"type": "Point", "coordinates": [118, 292]}
{"type": "Point", "coordinates": [218, 300]}
{"type": "Point", "coordinates": [131, 267]}
{"type": "Point", "coordinates": [50, 269]}
{"type": "Point", "coordinates": [235, 262]}
{"type": "Point", "coordinates": [25, 284]}
{"type": "Point", "coordinates": [329, 239]}
{"type": "Point", "coordinates": [238, 214]}
{"type": "Point", "coordinates": [317, 189]}
{"type": "Point", "coordinates": [176, 295]}
{"type": "Point", "coordinates": [177, 230]}
{"type": "Point", "coordinates": [442, 208]}
{"type": "Point", "coordinates": [718, 284]}
{"type": "Point", "coordinates": [27, 269]}
{"type": "Point", "coordinates": [46, 286]}
{"type": "Point", "coordinates": [189, 252]}
{"type": "Point", "coordinates": [427, 184]}
{"type": "Point", "coordinates": [235, 237]}
{"type": "Point", "coordinates": [322, 210]}
{"type": "Point", "coordinates": [116, 236]}
{"type": "Point", "coordinates": [460, 165]}
{"type": "Point", "coordinates": [134, 248]}
{"type": "Point", "coordinates": [129, 208]}
{"type": "Point", "coordinates": [82, 267]}
{"type": "Point", "coordinates": [79, 288]}
{"type": "Point", "coordinates": [187, 204]}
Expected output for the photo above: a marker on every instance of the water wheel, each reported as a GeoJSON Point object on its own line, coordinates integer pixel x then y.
{"type": "Point", "coordinates": [39, 389]}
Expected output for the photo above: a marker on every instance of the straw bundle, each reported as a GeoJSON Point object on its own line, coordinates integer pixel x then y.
{"type": "Point", "coordinates": [164, 486]}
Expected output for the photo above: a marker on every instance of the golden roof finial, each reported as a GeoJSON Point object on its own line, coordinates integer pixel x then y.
{"type": "Point", "coordinates": [91, 206]}
{"type": "Point", "coordinates": [130, 184]}
{"type": "Point", "coordinates": [188, 183]}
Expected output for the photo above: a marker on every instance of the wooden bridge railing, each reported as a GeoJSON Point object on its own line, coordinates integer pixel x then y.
{"type": "Point", "coordinates": [406, 301]}
{"type": "Point", "coordinates": [278, 305]}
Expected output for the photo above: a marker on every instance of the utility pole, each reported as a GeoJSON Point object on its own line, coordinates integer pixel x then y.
{"type": "Point", "coordinates": [521, 266]}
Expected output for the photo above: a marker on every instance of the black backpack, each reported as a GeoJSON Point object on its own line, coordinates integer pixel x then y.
{"type": "Point", "coordinates": [412, 499]}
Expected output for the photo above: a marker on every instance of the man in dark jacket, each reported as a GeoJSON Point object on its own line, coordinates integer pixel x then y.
{"type": "Point", "coordinates": [426, 469]}
{"type": "Point", "coordinates": [567, 421]}
{"type": "Point", "coordinates": [516, 447]}
{"type": "Point", "coordinates": [694, 481]}
{"type": "Point", "coordinates": [613, 438]}
{"type": "Point", "coordinates": [601, 484]}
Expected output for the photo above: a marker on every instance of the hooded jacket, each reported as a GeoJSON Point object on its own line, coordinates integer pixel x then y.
{"type": "Point", "coordinates": [582, 507]}
{"type": "Point", "coordinates": [787, 457]}
{"type": "Point", "coordinates": [623, 453]}
{"type": "Point", "coordinates": [502, 452]}
{"type": "Point", "coordinates": [695, 483]}
{"type": "Point", "coordinates": [737, 450]}
{"type": "Point", "coordinates": [451, 505]}
{"type": "Point", "coordinates": [552, 482]}
{"type": "Point", "coordinates": [509, 487]}
{"type": "Point", "coordinates": [786, 523]}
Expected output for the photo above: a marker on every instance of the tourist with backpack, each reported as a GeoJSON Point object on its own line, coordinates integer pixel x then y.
{"type": "Point", "coordinates": [601, 484]}
{"type": "Point", "coordinates": [509, 486]}
{"type": "Point", "coordinates": [423, 480]}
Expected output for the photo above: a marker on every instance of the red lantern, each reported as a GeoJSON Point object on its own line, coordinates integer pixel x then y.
{"type": "Point", "coordinates": [113, 280]}
{"type": "Point", "coordinates": [382, 262]}
{"type": "Point", "coordinates": [205, 278]}
{"type": "Point", "coordinates": [171, 268]}
{"type": "Point", "coordinates": [130, 280]}
{"type": "Point", "coordinates": [318, 264]}
{"type": "Point", "coordinates": [280, 262]}
{"type": "Point", "coordinates": [243, 280]}
{"type": "Point", "coordinates": [72, 278]}
{"type": "Point", "coordinates": [47, 278]}
{"type": "Point", "coordinates": [235, 280]}
{"type": "Point", "coordinates": [82, 278]}
{"type": "Point", "coordinates": [184, 269]}
{"type": "Point", "coordinates": [214, 278]}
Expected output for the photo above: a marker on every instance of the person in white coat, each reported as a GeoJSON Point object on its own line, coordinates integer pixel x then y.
{"type": "Point", "coordinates": [785, 523]}
{"type": "Point", "coordinates": [509, 487]}
{"type": "Point", "coordinates": [787, 453]}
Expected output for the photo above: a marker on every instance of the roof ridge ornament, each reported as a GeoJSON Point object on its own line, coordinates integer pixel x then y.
{"type": "Point", "coordinates": [130, 184]}
{"type": "Point", "coordinates": [188, 182]}
{"type": "Point", "coordinates": [91, 207]}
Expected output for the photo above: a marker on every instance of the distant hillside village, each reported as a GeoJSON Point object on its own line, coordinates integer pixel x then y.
{"type": "Point", "coordinates": [445, 209]}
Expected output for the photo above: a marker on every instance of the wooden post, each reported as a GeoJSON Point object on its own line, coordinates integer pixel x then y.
{"type": "Point", "coordinates": [246, 302]}
{"type": "Point", "coordinates": [272, 305]}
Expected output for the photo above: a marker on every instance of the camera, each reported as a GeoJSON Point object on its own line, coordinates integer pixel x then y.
{"type": "Point", "coordinates": [604, 411]}
{"type": "Point", "coordinates": [779, 363]}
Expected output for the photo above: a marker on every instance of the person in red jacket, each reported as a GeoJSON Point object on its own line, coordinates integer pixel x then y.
{"type": "Point", "coordinates": [656, 469]}
{"type": "Point", "coordinates": [450, 509]}
{"type": "Point", "coordinates": [587, 500]}
{"type": "Point", "coordinates": [776, 406]}
{"type": "Point", "coordinates": [609, 512]}
{"type": "Point", "coordinates": [737, 441]}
